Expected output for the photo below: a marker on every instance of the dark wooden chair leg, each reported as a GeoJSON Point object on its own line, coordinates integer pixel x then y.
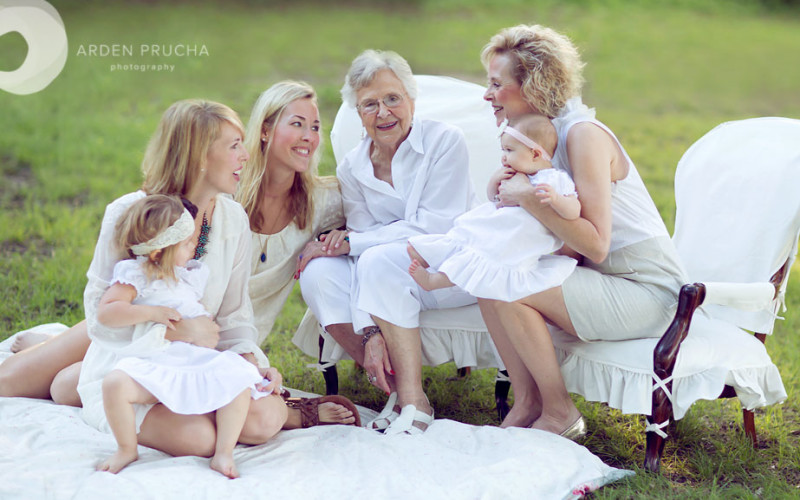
{"type": "Point", "coordinates": [750, 426]}
{"type": "Point", "coordinates": [464, 371]}
{"type": "Point", "coordinates": [664, 357]}
{"type": "Point", "coordinates": [330, 374]}
{"type": "Point", "coordinates": [654, 444]}
{"type": "Point", "coordinates": [501, 388]}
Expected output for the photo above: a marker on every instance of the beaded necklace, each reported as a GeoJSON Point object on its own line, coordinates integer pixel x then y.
{"type": "Point", "coordinates": [205, 228]}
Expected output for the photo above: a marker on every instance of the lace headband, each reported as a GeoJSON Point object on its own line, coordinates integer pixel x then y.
{"type": "Point", "coordinates": [177, 232]}
{"type": "Point", "coordinates": [527, 141]}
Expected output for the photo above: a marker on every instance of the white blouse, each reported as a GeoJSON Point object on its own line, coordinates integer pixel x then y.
{"type": "Point", "coordinates": [431, 187]}
{"type": "Point", "coordinates": [272, 281]}
{"type": "Point", "coordinates": [226, 296]}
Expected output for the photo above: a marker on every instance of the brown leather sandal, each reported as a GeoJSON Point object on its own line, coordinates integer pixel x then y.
{"type": "Point", "coordinates": [309, 409]}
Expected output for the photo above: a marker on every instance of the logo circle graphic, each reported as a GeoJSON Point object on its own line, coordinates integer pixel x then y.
{"type": "Point", "coordinates": [40, 25]}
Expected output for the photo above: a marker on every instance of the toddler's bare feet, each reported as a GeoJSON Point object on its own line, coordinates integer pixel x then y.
{"type": "Point", "coordinates": [420, 275]}
{"type": "Point", "coordinates": [28, 339]}
{"type": "Point", "coordinates": [118, 460]}
{"type": "Point", "coordinates": [225, 465]}
{"type": "Point", "coordinates": [333, 413]}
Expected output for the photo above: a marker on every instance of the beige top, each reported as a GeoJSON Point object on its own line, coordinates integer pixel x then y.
{"type": "Point", "coordinates": [272, 281]}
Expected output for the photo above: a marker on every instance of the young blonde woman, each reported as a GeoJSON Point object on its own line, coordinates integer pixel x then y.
{"type": "Point", "coordinates": [288, 205]}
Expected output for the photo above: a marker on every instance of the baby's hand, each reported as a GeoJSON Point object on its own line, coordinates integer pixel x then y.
{"type": "Point", "coordinates": [164, 315]}
{"type": "Point", "coordinates": [545, 193]}
{"type": "Point", "coordinates": [499, 175]}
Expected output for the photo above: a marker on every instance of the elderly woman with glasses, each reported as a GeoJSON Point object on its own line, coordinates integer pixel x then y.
{"type": "Point", "coordinates": [406, 177]}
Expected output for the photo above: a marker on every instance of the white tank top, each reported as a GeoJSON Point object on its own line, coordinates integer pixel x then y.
{"type": "Point", "coordinates": [634, 215]}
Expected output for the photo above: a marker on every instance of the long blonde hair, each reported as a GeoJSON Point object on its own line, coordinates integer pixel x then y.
{"type": "Point", "coordinates": [179, 147]}
{"type": "Point", "coordinates": [143, 221]}
{"type": "Point", "coordinates": [255, 175]}
{"type": "Point", "coordinates": [546, 65]}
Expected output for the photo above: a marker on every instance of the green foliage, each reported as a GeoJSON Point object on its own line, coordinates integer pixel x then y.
{"type": "Point", "coordinates": [660, 74]}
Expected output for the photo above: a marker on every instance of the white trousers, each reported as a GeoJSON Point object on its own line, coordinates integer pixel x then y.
{"type": "Point", "coordinates": [327, 287]}
{"type": "Point", "coordinates": [349, 290]}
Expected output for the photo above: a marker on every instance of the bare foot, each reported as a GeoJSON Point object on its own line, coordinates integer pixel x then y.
{"type": "Point", "coordinates": [225, 465]}
{"type": "Point", "coordinates": [28, 339]}
{"type": "Point", "coordinates": [420, 275]}
{"type": "Point", "coordinates": [554, 424]}
{"type": "Point", "coordinates": [332, 413]}
{"type": "Point", "coordinates": [118, 460]}
{"type": "Point", "coordinates": [520, 417]}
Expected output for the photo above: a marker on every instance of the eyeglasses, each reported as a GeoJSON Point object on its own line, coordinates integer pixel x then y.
{"type": "Point", "coordinates": [371, 106]}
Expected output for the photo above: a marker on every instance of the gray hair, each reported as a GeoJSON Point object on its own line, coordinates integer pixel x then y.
{"type": "Point", "coordinates": [367, 64]}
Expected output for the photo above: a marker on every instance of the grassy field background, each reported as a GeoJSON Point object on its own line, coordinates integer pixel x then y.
{"type": "Point", "coordinates": [660, 76]}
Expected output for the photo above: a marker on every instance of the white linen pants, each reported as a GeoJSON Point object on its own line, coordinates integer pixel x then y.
{"type": "Point", "coordinates": [349, 290]}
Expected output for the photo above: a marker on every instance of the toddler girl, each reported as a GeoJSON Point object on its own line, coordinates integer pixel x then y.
{"type": "Point", "coordinates": [503, 253]}
{"type": "Point", "coordinates": [163, 284]}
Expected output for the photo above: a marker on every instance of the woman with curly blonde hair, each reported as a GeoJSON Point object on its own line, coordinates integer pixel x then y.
{"type": "Point", "coordinates": [627, 283]}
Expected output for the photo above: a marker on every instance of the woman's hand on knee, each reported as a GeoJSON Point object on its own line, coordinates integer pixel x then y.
{"type": "Point", "coordinates": [200, 331]}
{"type": "Point", "coordinates": [312, 250]}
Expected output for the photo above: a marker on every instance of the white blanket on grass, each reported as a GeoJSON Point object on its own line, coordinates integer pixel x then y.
{"type": "Point", "coordinates": [48, 452]}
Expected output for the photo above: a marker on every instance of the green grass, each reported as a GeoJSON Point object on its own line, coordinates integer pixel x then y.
{"type": "Point", "coordinates": [660, 76]}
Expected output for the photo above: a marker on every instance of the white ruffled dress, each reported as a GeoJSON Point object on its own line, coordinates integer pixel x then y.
{"type": "Point", "coordinates": [501, 253]}
{"type": "Point", "coordinates": [186, 378]}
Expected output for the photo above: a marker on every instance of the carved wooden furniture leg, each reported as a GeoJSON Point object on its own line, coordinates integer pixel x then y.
{"type": "Point", "coordinates": [664, 356]}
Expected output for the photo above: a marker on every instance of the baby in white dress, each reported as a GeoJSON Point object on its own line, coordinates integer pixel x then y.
{"type": "Point", "coordinates": [504, 253]}
{"type": "Point", "coordinates": [163, 284]}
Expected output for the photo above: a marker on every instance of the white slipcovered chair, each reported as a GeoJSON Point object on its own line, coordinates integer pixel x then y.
{"type": "Point", "coordinates": [736, 230]}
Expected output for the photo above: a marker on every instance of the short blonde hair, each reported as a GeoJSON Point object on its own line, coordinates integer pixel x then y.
{"type": "Point", "coordinates": [254, 176]}
{"type": "Point", "coordinates": [179, 147]}
{"type": "Point", "coordinates": [539, 128]}
{"type": "Point", "coordinates": [364, 68]}
{"type": "Point", "coordinates": [143, 221]}
{"type": "Point", "coordinates": [546, 64]}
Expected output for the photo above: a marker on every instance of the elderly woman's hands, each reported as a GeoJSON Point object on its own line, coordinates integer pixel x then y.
{"type": "Point", "coordinates": [332, 244]}
{"type": "Point", "coordinates": [377, 364]}
{"type": "Point", "coordinates": [335, 242]}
